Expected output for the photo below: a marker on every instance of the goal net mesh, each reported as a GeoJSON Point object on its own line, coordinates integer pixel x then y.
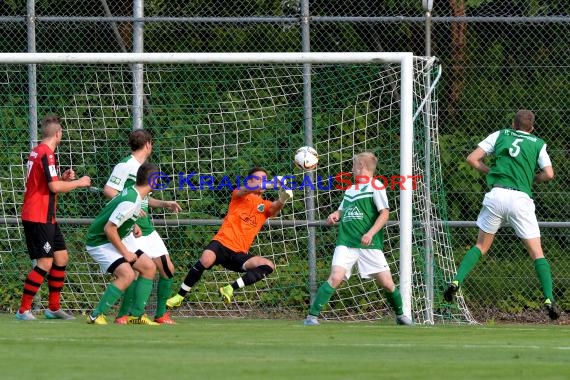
{"type": "Point", "coordinates": [210, 124]}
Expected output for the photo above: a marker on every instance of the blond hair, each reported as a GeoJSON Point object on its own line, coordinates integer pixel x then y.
{"type": "Point", "coordinates": [368, 160]}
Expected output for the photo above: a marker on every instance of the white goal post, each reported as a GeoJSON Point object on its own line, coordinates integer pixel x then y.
{"type": "Point", "coordinates": [405, 60]}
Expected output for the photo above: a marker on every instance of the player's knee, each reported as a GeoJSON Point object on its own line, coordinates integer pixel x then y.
{"type": "Point", "coordinates": [389, 287]}
{"type": "Point", "coordinates": [61, 258]}
{"type": "Point", "coordinates": [335, 280]}
{"type": "Point", "coordinates": [124, 276]}
{"type": "Point", "coordinates": [208, 259]}
{"type": "Point", "coordinates": [145, 266]}
{"type": "Point", "coordinates": [130, 277]}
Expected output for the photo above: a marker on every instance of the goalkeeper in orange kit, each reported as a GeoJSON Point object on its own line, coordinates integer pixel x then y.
{"type": "Point", "coordinates": [229, 248]}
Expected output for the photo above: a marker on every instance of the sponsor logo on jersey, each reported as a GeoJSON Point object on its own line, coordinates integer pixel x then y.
{"type": "Point", "coordinates": [119, 217]}
{"type": "Point", "coordinates": [115, 180]}
{"type": "Point", "coordinates": [352, 213]}
{"type": "Point", "coordinates": [52, 171]}
{"type": "Point", "coordinates": [260, 207]}
{"type": "Point", "coordinates": [250, 220]}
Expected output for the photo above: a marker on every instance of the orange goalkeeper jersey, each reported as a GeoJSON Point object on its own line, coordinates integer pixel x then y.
{"type": "Point", "coordinates": [243, 221]}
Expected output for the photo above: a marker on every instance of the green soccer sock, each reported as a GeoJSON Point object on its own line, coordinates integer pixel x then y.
{"type": "Point", "coordinates": [142, 292]}
{"type": "Point", "coordinates": [395, 300]}
{"type": "Point", "coordinates": [324, 294]}
{"type": "Point", "coordinates": [467, 264]}
{"type": "Point", "coordinates": [128, 298]}
{"type": "Point", "coordinates": [544, 276]}
{"type": "Point", "coordinates": [111, 295]}
{"type": "Point", "coordinates": [162, 293]}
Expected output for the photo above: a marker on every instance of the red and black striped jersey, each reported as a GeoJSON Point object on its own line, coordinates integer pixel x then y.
{"type": "Point", "coordinates": [39, 202]}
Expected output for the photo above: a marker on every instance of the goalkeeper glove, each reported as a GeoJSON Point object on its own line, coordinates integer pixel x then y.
{"type": "Point", "coordinates": [285, 195]}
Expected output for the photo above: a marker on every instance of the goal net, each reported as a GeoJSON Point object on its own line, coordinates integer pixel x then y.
{"type": "Point", "coordinates": [214, 119]}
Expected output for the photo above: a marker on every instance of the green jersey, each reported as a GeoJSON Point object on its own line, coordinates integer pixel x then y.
{"type": "Point", "coordinates": [123, 211]}
{"type": "Point", "coordinates": [518, 156]}
{"type": "Point", "coordinates": [125, 175]}
{"type": "Point", "coordinates": [360, 208]}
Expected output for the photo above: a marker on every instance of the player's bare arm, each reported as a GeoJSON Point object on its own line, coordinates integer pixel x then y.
{"type": "Point", "coordinates": [66, 186]}
{"type": "Point", "coordinates": [334, 217]}
{"type": "Point", "coordinates": [475, 159]}
{"type": "Point", "coordinates": [545, 175]}
{"type": "Point", "coordinates": [109, 192]}
{"type": "Point", "coordinates": [379, 223]}
{"type": "Point", "coordinates": [171, 205]}
{"type": "Point", "coordinates": [112, 232]}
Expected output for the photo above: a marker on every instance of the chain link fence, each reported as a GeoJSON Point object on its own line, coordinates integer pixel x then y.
{"type": "Point", "coordinates": [497, 57]}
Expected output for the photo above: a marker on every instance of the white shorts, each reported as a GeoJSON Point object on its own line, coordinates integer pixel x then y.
{"type": "Point", "coordinates": [504, 207]}
{"type": "Point", "coordinates": [107, 254]}
{"type": "Point", "coordinates": [152, 245]}
{"type": "Point", "coordinates": [370, 261]}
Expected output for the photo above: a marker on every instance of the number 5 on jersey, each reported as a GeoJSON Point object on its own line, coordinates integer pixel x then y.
{"type": "Point", "coordinates": [516, 149]}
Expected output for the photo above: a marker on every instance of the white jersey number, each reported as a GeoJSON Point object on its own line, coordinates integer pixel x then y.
{"type": "Point", "coordinates": [29, 167]}
{"type": "Point", "coordinates": [516, 149]}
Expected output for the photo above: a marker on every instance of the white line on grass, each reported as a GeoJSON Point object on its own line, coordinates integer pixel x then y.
{"type": "Point", "coordinates": [415, 345]}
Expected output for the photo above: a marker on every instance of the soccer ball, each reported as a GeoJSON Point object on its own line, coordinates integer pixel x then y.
{"type": "Point", "coordinates": [306, 158]}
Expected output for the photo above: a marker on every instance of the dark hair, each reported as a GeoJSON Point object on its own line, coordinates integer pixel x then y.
{"type": "Point", "coordinates": [50, 125]}
{"type": "Point", "coordinates": [139, 138]}
{"type": "Point", "coordinates": [144, 172]}
{"type": "Point", "coordinates": [524, 120]}
{"type": "Point", "coordinates": [257, 169]}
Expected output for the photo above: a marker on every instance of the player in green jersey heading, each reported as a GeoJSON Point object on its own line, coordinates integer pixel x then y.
{"type": "Point", "coordinates": [363, 213]}
{"type": "Point", "coordinates": [123, 175]}
{"type": "Point", "coordinates": [521, 159]}
{"type": "Point", "coordinates": [111, 241]}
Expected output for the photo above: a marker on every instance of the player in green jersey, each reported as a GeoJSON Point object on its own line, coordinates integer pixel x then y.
{"type": "Point", "coordinates": [520, 160]}
{"type": "Point", "coordinates": [123, 175]}
{"type": "Point", "coordinates": [363, 213]}
{"type": "Point", "coordinates": [111, 241]}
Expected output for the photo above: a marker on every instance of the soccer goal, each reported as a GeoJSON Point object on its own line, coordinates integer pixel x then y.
{"type": "Point", "coordinates": [213, 116]}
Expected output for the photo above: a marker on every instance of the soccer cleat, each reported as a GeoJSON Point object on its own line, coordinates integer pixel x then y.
{"type": "Point", "coordinates": [142, 320]}
{"type": "Point", "coordinates": [451, 291]}
{"type": "Point", "coordinates": [165, 320]}
{"type": "Point", "coordinates": [175, 301]}
{"type": "Point", "coordinates": [58, 314]}
{"type": "Point", "coordinates": [403, 320]}
{"type": "Point", "coordinates": [553, 309]}
{"type": "Point", "coordinates": [98, 320]}
{"type": "Point", "coordinates": [25, 316]}
{"type": "Point", "coordinates": [227, 293]}
{"type": "Point", "coordinates": [122, 320]}
{"type": "Point", "coordinates": [311, 320]}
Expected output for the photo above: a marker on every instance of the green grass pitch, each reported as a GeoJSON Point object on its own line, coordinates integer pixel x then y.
{"type": "Point", "coordinates": [236, 349]}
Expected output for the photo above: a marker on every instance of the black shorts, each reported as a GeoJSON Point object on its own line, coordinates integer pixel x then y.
{"type": "Point", "coordinates": [43, 239]}
{"type": "Point", "coordinates": [227, 258]}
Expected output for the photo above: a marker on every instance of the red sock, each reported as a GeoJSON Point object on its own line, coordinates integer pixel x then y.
{"type": "Point", "coordinates": [31, 286]}
{"type": "Point", "coordinates": [56, 278]}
